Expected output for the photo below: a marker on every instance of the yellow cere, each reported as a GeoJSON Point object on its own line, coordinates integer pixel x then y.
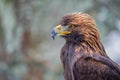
{"type": "Point", "coordinates": [59, 27]}
{"type": "Point", "coordinates": [61, 31]}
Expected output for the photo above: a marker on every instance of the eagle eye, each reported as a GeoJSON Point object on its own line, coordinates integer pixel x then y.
{"type": "Point", "coordinates": [71, 26]}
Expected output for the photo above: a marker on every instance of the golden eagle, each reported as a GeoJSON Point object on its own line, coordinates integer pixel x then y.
{"type": "Point", "coordinates": [83, 55]}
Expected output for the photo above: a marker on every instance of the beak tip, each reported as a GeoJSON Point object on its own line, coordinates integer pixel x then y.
{"type": "Point", "coordinates": [53, 34]}
{"type": "Point", "coordinates": [53, 38]}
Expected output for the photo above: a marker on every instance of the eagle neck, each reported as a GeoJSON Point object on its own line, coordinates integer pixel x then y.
{"type": "Point", "coordinates": [72, 51]}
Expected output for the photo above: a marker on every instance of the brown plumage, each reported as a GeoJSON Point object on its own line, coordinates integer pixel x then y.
{"type": "Point", "coordinates": [83, 55]}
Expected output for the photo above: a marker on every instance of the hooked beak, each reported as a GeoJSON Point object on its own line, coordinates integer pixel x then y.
{"type": "Point", "coordinates": [59, 31]}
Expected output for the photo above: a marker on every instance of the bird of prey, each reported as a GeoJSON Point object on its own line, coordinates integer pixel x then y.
{"type": "Point", "coordinates": [83, 55]}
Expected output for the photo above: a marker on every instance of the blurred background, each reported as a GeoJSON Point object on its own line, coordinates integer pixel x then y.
{"type": "Point", "coordinates": [27, 51]}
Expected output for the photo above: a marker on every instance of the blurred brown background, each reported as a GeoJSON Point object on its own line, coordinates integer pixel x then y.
{"type": "Point", "coordinates": [27, 51]}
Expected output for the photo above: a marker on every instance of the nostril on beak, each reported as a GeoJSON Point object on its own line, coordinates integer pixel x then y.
{"type": "Point", "coordinates": [58, 27]}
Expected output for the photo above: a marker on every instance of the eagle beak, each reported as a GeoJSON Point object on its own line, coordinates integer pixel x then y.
{"type": "Point", "coordinates": [59, 31]}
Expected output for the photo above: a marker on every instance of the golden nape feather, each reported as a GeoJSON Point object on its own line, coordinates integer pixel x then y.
{"type": "Point", "coordinates": [83, 55]}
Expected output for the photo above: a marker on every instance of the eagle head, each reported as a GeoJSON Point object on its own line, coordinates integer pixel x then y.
{"type": "Point", "coordinates": [76, 27]}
